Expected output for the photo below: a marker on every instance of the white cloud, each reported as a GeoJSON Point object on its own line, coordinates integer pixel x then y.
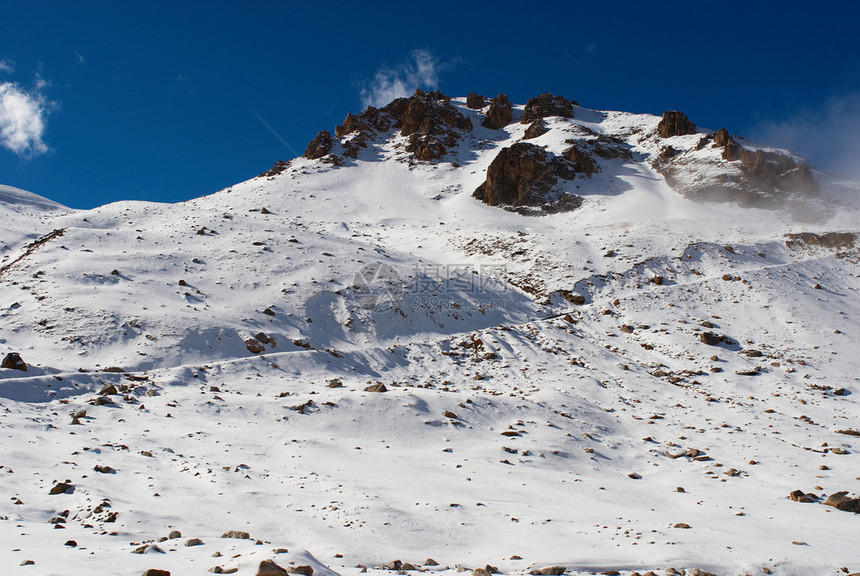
{"type": "Point", "coordinates": [420, 71]}
{"type": "Point", "coordinates": [22, 119]}
{"type": "Point", "coordinates": [6, 66]}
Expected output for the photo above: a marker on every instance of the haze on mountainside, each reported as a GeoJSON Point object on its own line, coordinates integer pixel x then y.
{"type": "Point", "coordinates": [458, 332]}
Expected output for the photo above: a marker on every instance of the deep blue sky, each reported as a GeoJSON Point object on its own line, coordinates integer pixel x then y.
{"type": "Point", "coordinates": [160, 100]}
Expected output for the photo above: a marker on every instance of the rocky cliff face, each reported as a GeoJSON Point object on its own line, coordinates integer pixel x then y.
{"type": "Point", "coordinates": [429, 127]}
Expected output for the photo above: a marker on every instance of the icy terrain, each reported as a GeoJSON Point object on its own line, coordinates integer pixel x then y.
{"type": "Point", "coordinates": [661, 420]}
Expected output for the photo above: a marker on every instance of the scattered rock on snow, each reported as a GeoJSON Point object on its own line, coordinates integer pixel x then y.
{"type": "Point", "coordinates": [841, 501]}
{"type": "Point", "coordinates": [254, 346]}
{"type": "Point", "coordinates": [269, 568]}
{"type": "Point", "coordinates": [61, 488]}
{"type": "Point", "coordinates": [13, 361]}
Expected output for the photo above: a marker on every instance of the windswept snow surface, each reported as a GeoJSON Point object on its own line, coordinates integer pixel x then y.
{"type": "Point", "coordinates": [515, 423]}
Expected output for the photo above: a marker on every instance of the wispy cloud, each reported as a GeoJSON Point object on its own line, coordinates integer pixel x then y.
{"type": "Point", "coordinates": [421, 70]}
{"type": "Point", "coordinates": [828, 135]}
{"type": "Point", "coordinates": [22, 115]}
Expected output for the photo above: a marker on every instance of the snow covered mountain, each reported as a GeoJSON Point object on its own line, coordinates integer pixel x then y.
{"type": "Point", "coordinates": [461, 329]}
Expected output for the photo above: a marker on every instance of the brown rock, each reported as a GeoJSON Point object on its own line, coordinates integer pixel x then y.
{"type": "Point", "coordinates": [425, 147]}
{"type": "Point", "coordinates": [675, 123]}
{"type": "Point", "coordinates": [269, 568]}
{"type": "Point", "coordinates": [319, 146]}
{"type": "Point", "coordinates": [61, 488]}
{"type": "Point", "coordinates": [238, 534]}
{"type": "Point", "coordinates": [13, 361]}
{"type": "Point", "coordinates": [583, 163]}
{"type": "Point", "coordinates": [499, 114]}
{"type": "Point", "coordinates": [304, 570]}
{"type": "Point", "coordinates": [535, 129]}
{"type": "Point", "coordinates": [546, 105]}
{"type": "Point", "coordinates": [427, 113]}
{"type": "Point", "coordinates": [710, 338]}
{"type": "Point", "coordinates": [108, 389]}
{"type": "Point", "coordinates": [549, 571]}
{"type": "Point", "coordinates": [841, 501]}
{"type": "Point", "coordinates": [376, 388]}
{"type": "Point", "coordinates": [801, 496]}
{"type": "Point", "coordinates": [156, 572]}
{"type": "Point", "coordinates": [517, 176]}
{"type": "Point", "coordinates": [254, 346]}
{"type": "Point", "coordinates": [474, 101]}
{"type": "Point", "coordinates": [722, 137]}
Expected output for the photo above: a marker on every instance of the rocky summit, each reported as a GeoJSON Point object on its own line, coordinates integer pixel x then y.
{"type": "Point", "coordinates": [457, 334]}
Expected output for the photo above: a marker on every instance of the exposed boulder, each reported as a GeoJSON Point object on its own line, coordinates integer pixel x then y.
{"type": "Point", "coordinates": [841, 501]}
{"type": "Point", "coordinates": [474, 101]}
{"type": "Point", "coordinates": [254, 346]}
{"type": "Point", "coordinates": [517, 175]}
{"type": "Point", "coordinates": [547, 105]}
{"type": "Point", "coordinates": [319, 146]}
{"type": "Point", "coordinates": [535, 129]}
{"type": "Point", "coordinates": [156, 572]}
{"type": "Point", "coordinates": [675, 123]}
{"type": "Point", "coordinates": [269, 568]}
{"type": "Point", "coordinates": [427, 113]}
{"type": "Point", "coordinates": [583, 163]}
{"type": "Point", "coordinates": [61, 488]}
{"type": "Point", "coordinates": [524, 175]}
{"type": "Point", "coordinates": [13, 361]}
{"type": "Point", "coordinates": [499, 113]}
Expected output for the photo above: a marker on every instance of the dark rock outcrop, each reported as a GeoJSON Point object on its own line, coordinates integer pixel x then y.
{"type": "Point", "coordinates": [319, 146]}
{"type": "Point", "coordinates": [427, 118]}
{"type": "Point", "coordinates": [547, 105]}
{"type": "Point", "coordinates": [721, 137]}
{"type": "Point", "coordinates": [425, 147]}
{"type": "Point", "coordinates": [517, 175]}
{"type": "Point", "coordinates": [675, 123]}
{"type": "Point", "coordinates": [583, 163]}
{"type": "Point", "coordinates": [474, 101]}
{"type": "Point", "coordinates": [499, 113]}
{"type": "Point", "coordinates": [524, 175]}
{"type": "Point", "coordinates": [535, 129]}
{"type": "Point", "coordinates": [426, 113]}
{"type": "Point", "coordinates": [13, 361]}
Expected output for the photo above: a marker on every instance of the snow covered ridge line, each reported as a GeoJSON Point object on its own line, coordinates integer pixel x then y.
{"type": "Point", "coordinates": [536, 176]}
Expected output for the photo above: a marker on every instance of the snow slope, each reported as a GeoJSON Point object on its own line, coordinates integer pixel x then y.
{"type": "Point", "coordinates": [387, 271]}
